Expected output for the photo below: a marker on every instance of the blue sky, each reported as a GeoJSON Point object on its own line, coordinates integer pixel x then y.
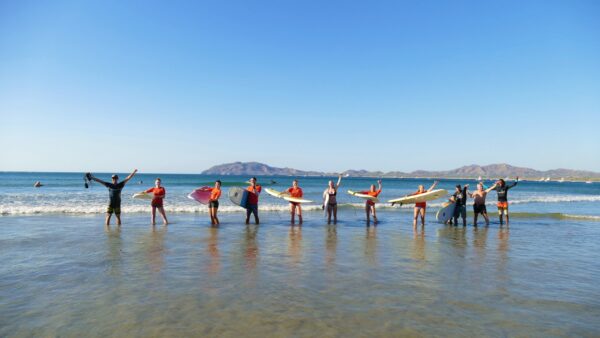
{"type": "Point", "coordinates": [401, 85]}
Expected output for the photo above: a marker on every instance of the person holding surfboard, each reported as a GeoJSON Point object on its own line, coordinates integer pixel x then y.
{"type": "Point", "coordinates": [296, 192]}
{"type": "Point", "coordinates": [370, 205]}
{"type": "Point", "coordinates": [252, 202]}
{"type": "Point", "coordinates": [502, 190]}
{"type": "Point", "coordinates": [460, 206]}
{"type": "Point", "coordinates": [420, 207]}
{"type": "Point", "coordinates": [330, 200]}
{"type": "Point", "coordinates": [114, 194]}
{"type": "Point", "coordinates": [479, 203]}
{"type": "Point", "coordinates": [213, 201]}
{"type": "Point", "coordinates": [159, 193]}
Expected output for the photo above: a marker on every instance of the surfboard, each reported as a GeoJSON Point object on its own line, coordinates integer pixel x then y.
{"type": "Point", "coordinates": [285, 195]}
{"type": "Point", "coordinates": [365, 196]}
{"type": "Point", "coordinates": [424, 197]}
{"type": "Point", "coordinates": [446, 212]}
{"type": "Point", "coordinates": [142, 196]}
{"type": "Point", "coordinates": [199, 195]}
{"type": "Point", "coordinates": [238, 196]}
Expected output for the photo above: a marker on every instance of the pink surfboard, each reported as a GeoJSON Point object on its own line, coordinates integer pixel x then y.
{"type": "Point", "coordinates": [199, 195]}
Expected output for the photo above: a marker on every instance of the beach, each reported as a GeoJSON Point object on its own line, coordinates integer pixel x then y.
{"type": "Point", "coordinates": [66, 274]}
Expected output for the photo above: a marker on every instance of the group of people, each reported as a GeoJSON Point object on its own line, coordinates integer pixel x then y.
{"type": "Point", "coordinates": [459, 198]}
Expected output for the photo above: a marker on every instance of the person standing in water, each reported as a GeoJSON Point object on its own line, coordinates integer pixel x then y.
{"type": "Point", "coordinates": [213, 202]}
{"type": "Point", "coordinates": [296, 192]}
{"type": "Point", "coordinates": [479, 204]}
{"type": "Point", "coordinates": [252, 202]}
{"type": "Point", "coordinates": [370, 205]}
{"type": "Point", "coordinates": [420, 207]}
{"type": "Point", "coordinates": [502, 190]}
{"type": "Point", "coordinates": [159, 193]}
{"type": "Point", "coordinates": [330, 200]}
{"type": "Point", "coordinates": [114, 194]}
{"type": "Point", "coordinates": [460, 206]}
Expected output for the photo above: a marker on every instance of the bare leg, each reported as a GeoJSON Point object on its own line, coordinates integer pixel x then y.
{"type": "Point", "coordinates": [153, 217]}
{"type": "Point", "coordinates": [475, 219]}
{"type": "Point", "coordinates": [422, 212]}
{"type": "Point", "coordinates": [247, 216]}
{"type": "Point", "coordinates": [415, 217]}
{"type": "Point", "coordinates": [256, 217]}
{"type": "Point", "coordinates": [164, 216]}
{"type": "Point", "coordinates": [118, 217]}
{"type": "Point", "coordinates": [107, 220]}
{"type": "Point", "coordinates": [335, 214]}
{"type": "Point", "coordinates": [299, 207]}
{"type": "Point", "coordinates": [368, 212]}
{"type": "Point", "coordinates": [216, 219]}
{"type": "Point", "coordinates": [506, 217]}
{"type": "Point", "coordinates": [374, 214]}
{"type": "Point", "coordinates": [293, 212]}
{"type": "Point", "coordinates": [487, 219]}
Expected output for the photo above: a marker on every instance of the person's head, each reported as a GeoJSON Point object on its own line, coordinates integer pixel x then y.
{"type": "Point", "coordinates": [480, 187]}
{"type": "Point", "coordinates": [295, 183]}
{"type": "Point", "coordinates": [157, 182]}
{"type": "Point", "coordinates": [115, 178]}
{"type": "Point", "coordinates": [458, 188]}
{"type": "Point", "coordinates": [421, 188]}
{"type": "Point", "coordinates": [218, 184]}
{"type": "Point", "coordinates": [253, 180]}
{"type": "Point", "coordinates": [372, 187]}
{"type": "Point", "coordinates": [501, 182]}
{"type": "Point", "coordinates": [330, 183]}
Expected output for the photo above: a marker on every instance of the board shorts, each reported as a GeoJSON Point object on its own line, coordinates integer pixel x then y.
{"type": "Point", "coordinates": [213, 204]}
{"type": "Point", "coordinates": [116, 209]}
{"type": "Point", "coordinates": [479, 208]}
{"type": "Point", "coordinates": [502, 207]}
{"type": "Point", "coordinates": [157, 203]}
{"type": "Point", "coordinates": [252, 208]}
{"type": "Point", "coordinates": [295, 204]}
{"type": "Point", "coordinates": [460, 211]}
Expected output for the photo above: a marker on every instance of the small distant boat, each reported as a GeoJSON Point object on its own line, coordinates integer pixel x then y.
{"type": "Point", "coordinates": [479, 178]}
{"type": "Point", "coordinates": [588, 182]}
{"type": "Point", "coordinates": [561, 180]}
{"type": "Point", "coordinates": [547, 179]}
{"type": "Point", "coordinates": [541, 179]}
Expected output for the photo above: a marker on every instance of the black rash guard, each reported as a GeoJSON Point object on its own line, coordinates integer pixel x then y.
{"type": "Point", "coordinates": [503, 191]}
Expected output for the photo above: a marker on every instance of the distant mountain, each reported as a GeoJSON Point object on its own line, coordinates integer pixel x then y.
{"type": "Point", "coordinates": [470, 171]}
{"type": "Point", "coordinates": [255, 168]}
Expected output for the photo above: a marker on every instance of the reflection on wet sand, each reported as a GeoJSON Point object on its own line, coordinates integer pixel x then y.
{"type": "Point", "coordinates": [480, 241]}
{"type": "Point", "coordinates": [115, 247]}
{"type": "Point", "coordinates": [503, 249]}
{"type": "Point", "coordinates": [214, 264]}
{"type": "Point", "coordinates": [155, 249]}
{"type": "Point", "coordinates": [250, 246]}
{"type": "Point", "coordinates": [330, 244]}
{"type": "Point", "coordinates": [417, 251]}
{"type": "Point", "coordinates": [371, 245]}
{"type": "Point", "coordinates": [295, 244]}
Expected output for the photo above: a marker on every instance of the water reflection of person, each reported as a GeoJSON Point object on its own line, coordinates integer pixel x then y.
{"type": "Point", "coordinates": [418, 250]}
{"type": "Point", "coordinates": [295, 244]}
{"type": "Point", "coordinates": [251, 248]}
{"type": "Point", "coordinates": [115, 247]}
{"type": "Point", "coordinates": [156, 249]}
{"type": "Point", "coordinates": [480, 241]}
{"type": "Point", "coordinates": [330, 244]}
{"type": "Point", "coordinates": [371, 245]}
{"type": "Point", "coordinates": [214, 265]}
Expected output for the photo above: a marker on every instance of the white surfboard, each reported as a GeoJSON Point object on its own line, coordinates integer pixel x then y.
{"type": "Point", "coordinates": [424, 197]}
{"type": "Point", "coordinates": [365, 196]}
{"type": "Point", "coordinates": [285, 195]}
{"type": "Point", "coordinates": [142, 196]}
{"type": "Point", "coordinates": [446, 212]}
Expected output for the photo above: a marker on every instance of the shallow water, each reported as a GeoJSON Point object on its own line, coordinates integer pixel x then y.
{"type": "Point", "coordinates": [70, 276]}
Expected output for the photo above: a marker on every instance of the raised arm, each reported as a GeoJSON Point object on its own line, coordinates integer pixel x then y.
{"type": "Point", "coordinates": [380, 186]}
{"type": "Point", "coordinates": [130, 176]}
{"type": "Point", "coordinates": [337, 185]}
{"type": "Point", "coordinates": [91, 177]}
{"type": "Point", "coordinates": [491, 188]}
{"type": "Point", "coordinates": [513, 184]}
{"type": "Point", "coordinates": [433, 186]}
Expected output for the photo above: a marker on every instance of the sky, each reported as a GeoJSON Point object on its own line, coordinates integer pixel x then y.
{"type": "Point", "coordinates": [178, 86]}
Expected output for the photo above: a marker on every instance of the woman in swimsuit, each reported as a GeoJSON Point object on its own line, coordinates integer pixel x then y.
{"type": "Point", "coordinates": [330, 201]}
{"type": "Point", "coordinates": [420, 207]}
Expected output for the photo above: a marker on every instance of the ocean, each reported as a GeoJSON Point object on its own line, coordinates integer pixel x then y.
{"type": "Point", "coordinates": [65, 274]}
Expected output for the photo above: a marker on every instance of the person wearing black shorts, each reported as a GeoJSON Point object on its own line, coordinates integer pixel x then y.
{"type": "Point", "coordinates": [479, 204]}
{"type": "Point", "coordinates": [460, 200]}
{"type": "Point", "coordinates": [114, 194]}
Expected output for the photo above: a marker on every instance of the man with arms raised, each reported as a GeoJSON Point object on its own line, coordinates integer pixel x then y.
{"type": "Point", "coordinates": [114, 194]}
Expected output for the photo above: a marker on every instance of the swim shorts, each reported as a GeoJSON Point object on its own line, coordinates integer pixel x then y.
{"type": "Point", "coordinates": [213, 204]}
{"type": "Point", "coordinates": [502, 205]}
{"type": "Point", "coordinates": [460, 211]}
{"type": "Point", "coordinates": [479, 208]}
{"type": "Point", "coordinates": [116, 209]}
